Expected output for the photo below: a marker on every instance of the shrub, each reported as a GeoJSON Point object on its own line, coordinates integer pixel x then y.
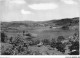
{"type": "Point", "coordinates": [76, 36]}
{"type": "Point", "coordinates": [60, 47]}
{"type": "Point", "coordinates": [36, 42]}
{"type": "Point", "coordinates": [53, 43]}
{"type": "Point", "coordinates": [26, 33]}
{"type": "Point", "coordinates": [74, 46]}
{"type": "Point", "coordinates": [65, 27]}
{"type": "Point", "coordinates": [60, 38]}
{"type": "Point", "coordinates": [46, 42]}
{"type": "Point", "coordinates": [7, 51]}
{"type": "Point", "coordinates": [19, 46]}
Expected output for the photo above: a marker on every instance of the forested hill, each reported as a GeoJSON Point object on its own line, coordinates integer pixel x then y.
{"type": "Point", "coordinates": [61, 22]}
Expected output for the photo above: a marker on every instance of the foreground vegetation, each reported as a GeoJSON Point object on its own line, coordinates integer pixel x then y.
{"type": "Point", "coordinates": [27, 43]}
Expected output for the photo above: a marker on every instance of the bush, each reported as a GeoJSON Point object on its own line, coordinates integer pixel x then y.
{"type": "Point", "coordinates": [26, 33]}
{"type": "Point", "coordinates": [7, 51]}
{"type": "Point", "coordinates": [65, 27]}
{"type": "Point", "coordinates": [60, 47]}
{"type": "Point", "coordinates": [74, 46]}
{"type": "Point", "coordinates": [76, 36]}
{"type": "Point", "coordinates": [18, 40]}
{"type": "Point", "coordinates": [19, 46]}
{"type": "Point", "coordinates": [53, 43]}
{"type": "Point", "coordinates": [35, 42]}
{"type": "Point", "coordinates": [46, 42]}
{"type": "Point", "coordinates": [60, 38]}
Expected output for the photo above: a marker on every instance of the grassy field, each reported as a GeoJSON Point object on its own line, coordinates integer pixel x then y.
{"type": "Point", "coordinates": [45, 32]}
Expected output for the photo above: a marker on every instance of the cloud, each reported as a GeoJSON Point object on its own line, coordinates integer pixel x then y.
{"type": "Point", "coordinates": [79, 0]}
{"type": "Point", "coordinates": [17, 1]}
{"type": "Point", "coordinates": [43, 6]}
{"type": "Point", "coordinates": [25, 12]}
{"type": "Point", "coordinates": [69, 1]}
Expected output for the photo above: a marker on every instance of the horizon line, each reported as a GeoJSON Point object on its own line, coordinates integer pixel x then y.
{"type": "Point", "coordinates": [39, 21]}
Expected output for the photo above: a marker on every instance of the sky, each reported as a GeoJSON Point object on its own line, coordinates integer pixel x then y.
{"type": "Point", "coordinates": [38, 10]}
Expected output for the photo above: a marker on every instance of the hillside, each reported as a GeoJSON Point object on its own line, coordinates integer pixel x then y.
{"type": "Point", "coordinates": [65, 21]}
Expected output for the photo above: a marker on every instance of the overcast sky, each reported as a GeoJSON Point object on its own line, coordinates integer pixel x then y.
{"type": "Point", "coordinates": [38, 10]}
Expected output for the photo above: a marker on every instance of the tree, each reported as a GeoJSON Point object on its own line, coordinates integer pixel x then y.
{"type": "Point", "coordinates": [3, 37]}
